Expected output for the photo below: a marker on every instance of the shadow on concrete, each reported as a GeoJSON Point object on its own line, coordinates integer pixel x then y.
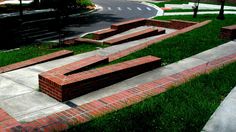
{"type": "Point", "coordinates": [15, 33]}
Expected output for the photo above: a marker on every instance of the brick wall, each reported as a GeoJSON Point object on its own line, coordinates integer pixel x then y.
{"type": "Point", "coordinates": [64, 83]}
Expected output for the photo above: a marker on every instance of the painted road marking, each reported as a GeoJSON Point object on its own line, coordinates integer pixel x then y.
{"type": "Point", "coordinates": [109, 8]}
{"type": "Point", "coordinates": [148, 8]}
{"type": "Point", "coordinates": [139, 8]}
{"type": "Point", "coordinates": [119, 8]}
{"type": "Point", "coordinates": [129, 8]}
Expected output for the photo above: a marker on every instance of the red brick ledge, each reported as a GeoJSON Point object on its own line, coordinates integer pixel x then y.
{"type": "Point", "coordinates": [153, 41]}
{"type": "Point", "coordinates": [73, 80]}
{"type": "Point", "coordinates": [6, 121]}
{"type": "Point", "coordinates": [37, 60]}
{"type": "Point", "coordinates": [228, 32]}
{"type": "Point", "coordinates": [83, 113]}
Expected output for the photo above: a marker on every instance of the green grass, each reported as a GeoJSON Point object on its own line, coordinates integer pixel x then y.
{"type": "Point", "coordinates": [89, 36]}
{"type": "Point", "coordinates": [191, 10]}
{"type": "Point", "coordinates": [183, 108]}
{"type": "Point", "coordinates": [188, 44]}
{"type": "Point", "coordinates": [31, 51]}
{"type": "Point", "coordinates": [84, 2]}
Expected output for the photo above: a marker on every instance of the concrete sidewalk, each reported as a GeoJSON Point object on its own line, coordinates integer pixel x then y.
{"type": "Point", "coordinates": [202, 6]}
{"type": "Point", "coordinates": [19, 95]}
{"type": "Point", "coordinates": [224, 118]}
{"type": "Point", "coordinates": [199, 12]}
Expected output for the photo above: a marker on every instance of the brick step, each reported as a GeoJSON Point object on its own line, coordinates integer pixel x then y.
{"type": "Point", "coordinates": [37, 60]}
{"type": "Point", "coordinates": [135, 36]}
{"type": "Point", "coordinates": [129, 24]}
{"type": "Point", "coordinates": [105, 33]}
{"type": "Point", "coordinates": [62, 86]}
{"type": "Point", "coordinates": [228, 32]}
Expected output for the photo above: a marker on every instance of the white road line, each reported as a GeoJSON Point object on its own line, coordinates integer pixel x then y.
{"type": "Point", "coordinates": [129, 8]}
{"type": "Point", "coordinates": [119, 8]}
{"type": "Point", "coordinates": [139, 8]}
{"type": "Point", "coordinates": [148, 8]}
{"type": "Point", "coordinates": [109, 8]}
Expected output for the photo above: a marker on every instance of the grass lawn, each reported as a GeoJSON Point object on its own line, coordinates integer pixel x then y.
{"type": "Point", "coordinates": [31, 51]}
{"type": "Point", "coordinates": [186, 107]}
{"type": "Point", "coordinates": [183, 108]}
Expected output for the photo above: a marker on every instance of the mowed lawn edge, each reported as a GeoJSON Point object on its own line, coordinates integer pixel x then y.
{"type": "Point", "coordinates": [182, 108]}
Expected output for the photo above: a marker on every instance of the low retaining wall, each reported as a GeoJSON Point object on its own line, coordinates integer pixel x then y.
{"type": "Point", "coordinates": [71, 80]}
{"type": "Point", "coordinates": [37, 60]}
{"type": "Point", "coordinates": [127, 25]}
{"type": "Point", "coordinates": [228, 32]}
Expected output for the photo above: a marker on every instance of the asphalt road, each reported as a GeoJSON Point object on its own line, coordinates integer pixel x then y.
{"type": "Point", "coordinates": [112, 11]}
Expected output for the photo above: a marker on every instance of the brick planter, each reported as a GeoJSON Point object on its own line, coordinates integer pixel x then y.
{"type": "Point", "coordinates": [71, 81]}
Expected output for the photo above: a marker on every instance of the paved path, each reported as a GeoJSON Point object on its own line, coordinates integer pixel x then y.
{"type": "Point", "coordinates": [19, 94]}
{"type": "Point", "coordinates": [201, 6]}
{"type": "Point", "coordinates": [200, 12]}
{"type": "Point", "coordinates": [112, 11]}
{"type": "Point", "coordinates": [224, 118]}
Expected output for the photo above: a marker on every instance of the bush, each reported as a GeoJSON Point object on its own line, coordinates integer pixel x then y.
{"type": "Point", "coordinates": [84, 3]}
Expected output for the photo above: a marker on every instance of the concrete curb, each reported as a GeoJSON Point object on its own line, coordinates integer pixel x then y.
{"type": "Point", "coordinates": [160, 12]}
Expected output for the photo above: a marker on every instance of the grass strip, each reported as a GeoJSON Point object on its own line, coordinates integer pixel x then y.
{"type": "Point", "coordinates": [34, 50]}
{"type": "Point", "coordinates": [183, 108]}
